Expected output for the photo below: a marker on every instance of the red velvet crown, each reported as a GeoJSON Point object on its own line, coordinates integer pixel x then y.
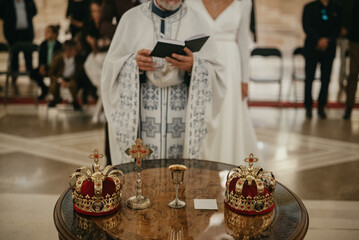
{"type": "Point", "coordinates": [250, 191]}
{"type": "Point", "coordinates": [96, 193]}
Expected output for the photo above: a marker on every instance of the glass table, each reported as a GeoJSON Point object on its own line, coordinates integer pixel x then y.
{"type": "Point", "coordinates": [202, 180]}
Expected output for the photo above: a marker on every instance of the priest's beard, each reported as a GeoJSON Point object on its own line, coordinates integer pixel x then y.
{"type": "Point", "coordinates": [170, 6]}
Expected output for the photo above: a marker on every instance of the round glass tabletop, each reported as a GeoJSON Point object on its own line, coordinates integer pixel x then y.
{"type": "Point", "coordinates": [202, 180]}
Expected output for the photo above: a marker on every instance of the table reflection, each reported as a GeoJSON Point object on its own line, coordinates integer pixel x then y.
{"type": "Point", "coordinates": [246, 227]}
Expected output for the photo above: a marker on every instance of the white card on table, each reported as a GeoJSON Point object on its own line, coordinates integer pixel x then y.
{"type": "Point", "coordinates": [209, 204]}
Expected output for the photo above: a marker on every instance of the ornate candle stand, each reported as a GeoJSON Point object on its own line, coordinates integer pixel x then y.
{"type": "Point", "coordinates": [138, 151]}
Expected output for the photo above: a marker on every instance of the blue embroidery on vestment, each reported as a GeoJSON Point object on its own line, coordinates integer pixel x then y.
{"type": "Point", "coordinates": [178, 98]}
{"type": "Point", "coordinates": [150, 96]}
{"type": "Point", "coordinates": [175, 151]}
{"type": "Point", "coordinates": [150, 127]}
{"type": "Point", "coordinates": [176, 128]}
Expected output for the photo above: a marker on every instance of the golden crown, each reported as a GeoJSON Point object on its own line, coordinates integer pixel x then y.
{"type": "Point", "coordinates": [250, 190]}
{"type": "Point", "coordinates": [97, 192]}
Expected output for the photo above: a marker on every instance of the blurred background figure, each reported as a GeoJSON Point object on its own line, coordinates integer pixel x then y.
{"type": "Point", "coordinates": [114, 9]}
{"type": "Point", "coordinates": [17, 16]}
{"type": "Point", "coordinates": [77, 13]}
{"type": "Point", "coordinates": [48, 49]}
{"type": "Point", "coordinates": [342, 42]}
{"type": "Point", "coordinates": [96, 43]}
{"type": "Point", "coordinates": [66, 71]}
{"type": "Point", "coordinates": [253, 22]}
{"type": "Point", "coordinates": [352, 83]}
{"type": "Point", "coordinates": [322, 25]}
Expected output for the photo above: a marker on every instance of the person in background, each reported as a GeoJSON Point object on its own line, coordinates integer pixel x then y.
{"type": "Point", "coordinates": [18, 27]}
{"type": "Point", "coordinates": [352, 84]}
{"type": "Point", "coordinates": [48, 49]}
{"type": "Point", "coordinates": [322, 25]}
{"type": "Point", "coordinates": [98, 44]}
{"type": "Point", "coordinates": [82, 54]}
{"type": "Point", "coordinates": [77, 12]}
{"type": "Point", "coordinates": [66, 70]}
{"type": "Point", "coordinates": [114, 9]}
{"type": "Point", "coordinates": [253, 24]}
{"type": "Point", "coordinates": [343, 43]}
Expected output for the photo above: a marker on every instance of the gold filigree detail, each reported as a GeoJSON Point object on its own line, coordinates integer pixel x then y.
{"type": "Point", "coordinates": [139, 151]}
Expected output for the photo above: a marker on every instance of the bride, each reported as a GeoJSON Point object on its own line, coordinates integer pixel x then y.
{"type": "Point", "coordinates": [232, 137]}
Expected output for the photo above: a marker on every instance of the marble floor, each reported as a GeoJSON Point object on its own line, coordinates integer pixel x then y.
{"type": "Point", "coordinates": [317, 159]}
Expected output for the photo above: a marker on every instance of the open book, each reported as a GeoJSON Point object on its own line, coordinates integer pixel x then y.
{"type": "Point", "coordinates": [165, 47]}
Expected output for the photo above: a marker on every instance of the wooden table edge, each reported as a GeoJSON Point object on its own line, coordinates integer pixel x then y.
{"type": "Point", "coordinates": [63, 231]}
{"type": "Point", "coordinates": [304, 215]}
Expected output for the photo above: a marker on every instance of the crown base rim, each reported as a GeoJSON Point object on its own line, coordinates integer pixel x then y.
{"type": "Point", "coordinates": [96, 214]}
{"type": "Point", "coordinates": [252, 213]}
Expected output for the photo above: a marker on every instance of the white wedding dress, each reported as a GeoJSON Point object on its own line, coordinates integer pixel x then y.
{"type": "Point", "coordinates": [231, 137]}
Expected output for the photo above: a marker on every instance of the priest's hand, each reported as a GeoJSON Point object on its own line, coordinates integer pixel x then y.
{"type": "Point", "coordinates": [144, 60]}
{"type": "Point", "coordinates": [184, 62]}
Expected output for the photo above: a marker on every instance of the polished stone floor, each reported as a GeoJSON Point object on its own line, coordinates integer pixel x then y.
{"type": "Point", "coordinates": [317, 159]}
{"type": "Point", "coordinates": [38, 153]}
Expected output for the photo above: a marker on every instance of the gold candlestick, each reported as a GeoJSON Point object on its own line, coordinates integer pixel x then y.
{"type": "Point", "coordinates": [138, 151]}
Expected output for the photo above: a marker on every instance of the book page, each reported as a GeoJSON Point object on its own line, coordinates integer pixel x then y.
{"type": "Point", "coordinates": [171, 41]}
{"type": "Point", "coordinates": [197, 36]}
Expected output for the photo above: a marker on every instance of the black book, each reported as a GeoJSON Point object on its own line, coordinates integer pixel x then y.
{"type": "Point", "coordinates": [166, 47]}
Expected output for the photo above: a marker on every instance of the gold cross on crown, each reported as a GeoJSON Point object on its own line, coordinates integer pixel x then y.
{"type": "Point", "coordinates": [251, 159]}
{"type": "Point", "coordinates": [96, 156]}
{"type": "Point", "coordinates": [139, 151]}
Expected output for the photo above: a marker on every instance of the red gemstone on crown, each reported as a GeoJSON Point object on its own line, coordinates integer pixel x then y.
{"type": "Point", "coordinates": [251, 159]}
{"type": "Point", "coordinates": [96, 156]}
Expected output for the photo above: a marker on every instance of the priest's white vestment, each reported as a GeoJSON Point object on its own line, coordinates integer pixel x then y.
{"type": "Point", "coordinates": [169, 114]}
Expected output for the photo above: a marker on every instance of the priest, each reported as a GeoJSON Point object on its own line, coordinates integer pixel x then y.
{"type": "Point", "coordinates": [167, 102]}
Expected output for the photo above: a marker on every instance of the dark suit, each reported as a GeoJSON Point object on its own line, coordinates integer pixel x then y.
{"type": "Point", "coordinates": [13, 35]}
{"type": "Point", "coordinates": [353, 37]}
{"type": "Point", "coordinates": [35, 74]}
{"type": "Point", "coordinates": [78, 10]}
{"type": "Point", "coordinates": [319, 22]}
{"type": "Point", "coordinates": [111, 9]}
